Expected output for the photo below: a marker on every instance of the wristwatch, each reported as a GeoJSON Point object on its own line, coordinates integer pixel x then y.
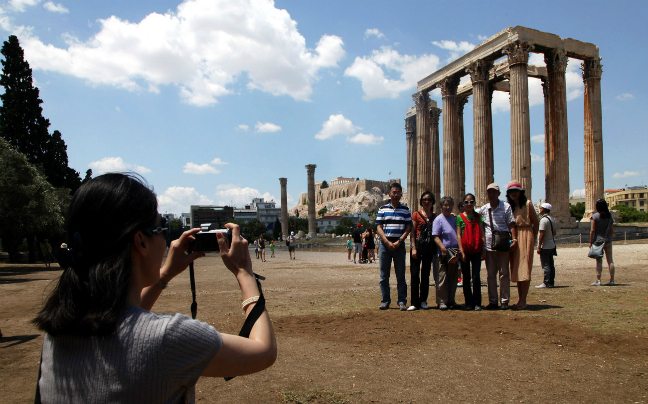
{"type": "Point", "coordinates": [162, 284]}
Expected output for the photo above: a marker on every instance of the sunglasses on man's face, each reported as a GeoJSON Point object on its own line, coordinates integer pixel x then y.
{"type": "Point", "coordinates": [163, 229]}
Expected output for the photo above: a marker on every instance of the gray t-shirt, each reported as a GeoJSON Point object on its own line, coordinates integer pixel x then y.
{"type": "Point", "coordinates": [548, 225]}
{"type": "Point", "coordinates": [602, 228]}
{"type": "Point", "coordinates": [150, 358]}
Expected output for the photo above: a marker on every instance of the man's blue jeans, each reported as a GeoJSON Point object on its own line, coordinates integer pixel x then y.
{"type": "Point", "coordinates": [386, 257]}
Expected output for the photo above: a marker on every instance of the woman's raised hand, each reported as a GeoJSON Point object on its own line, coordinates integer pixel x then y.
{"type": "Point", "coordinates": [236, 257]}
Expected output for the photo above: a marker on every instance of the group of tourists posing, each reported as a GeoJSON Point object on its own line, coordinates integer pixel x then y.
{"type": "Point", "coordinates": [502, 233]}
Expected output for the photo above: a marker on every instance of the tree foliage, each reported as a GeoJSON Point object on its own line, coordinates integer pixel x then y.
{"type": "Point", "coordinates": [324, 185]}
{"type": "Point", "coordinates": [577, 211]}
{"type": "Point", "coordinates": [253, 229]}
{"type": "Point", "coordinates": [29, 205]}
{"type": "Point", "coordinates": [322, 211]}
{"type": "Point", "coordinates": [629, 214]}
{"type": "Point", "coordinates": [276, 231]}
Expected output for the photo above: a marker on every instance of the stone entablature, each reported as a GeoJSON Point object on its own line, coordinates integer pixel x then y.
{"type": "Point", "coordinates": [347, 189]}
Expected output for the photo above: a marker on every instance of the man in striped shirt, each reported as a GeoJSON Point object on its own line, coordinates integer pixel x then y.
{"type": "Point", "coordinates": [394, 223]}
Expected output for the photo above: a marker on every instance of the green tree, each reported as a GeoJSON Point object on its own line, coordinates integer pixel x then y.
{"type": "Point", "coordinates": [276, 231]}
{"type": "Point", "coordinates": [322, 211]}
{"type": "Point", "coordinates": [22, 123]}
{"type": "Point", "coordinates": [29, 205]}
{"type": "Point", "coordinates": [175, 224]}
{"type": "Point", "coordinates": [629, 214]}
{"type": "Point", "coordinates": [577, 210]}
{"type": "Point", "coordinates": [253, 229]}
{"type": "Point", "coordinates": [324, 185]}
{"type": "Point", "coordinates": [88, 175]}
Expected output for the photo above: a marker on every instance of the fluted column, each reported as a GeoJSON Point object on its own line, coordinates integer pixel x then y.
{"type": "Point", "coordinates": [482, 129]}
{"type": "Point", "coordinates": [461, 102]}
{"type": "Point", "coordinates": [592, 70]}
{"type": "Point", "coordinates": [451, 146]}
{"type": "Point", "coordinates": [547, 141]}
{"type": "Point", "coordinates": [312, 221]}
{"type": "Point", "coordinates": [410, 135]}
{"type": "Point", "coordinates": [518, 58]}
{"type": "Point", "coordinates": [556, 61]}
{"type": "Point", "coordinates": [284, 207]}
{"type": "Point", "coordinates": [423, 171]}
{"type": "Point", "coordinates": [435, 156]}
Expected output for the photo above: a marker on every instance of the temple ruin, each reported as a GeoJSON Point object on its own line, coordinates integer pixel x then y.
{"type": "Point", "coordinates": [487, 74]}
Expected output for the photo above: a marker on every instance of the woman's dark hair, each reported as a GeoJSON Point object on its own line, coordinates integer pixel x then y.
{"type": "Point", "coordinates": [523, 200]}
{"type": "Point", "coordinates": [431, 196]}
{"type": "Point", "coordinates": [602, 209]}
{"type": "Point", "coordinates": [370, 231]}
{"type": "Point", "coordinates": [469, 194]}
{"type": "Point", "coordinates": [105, 213]}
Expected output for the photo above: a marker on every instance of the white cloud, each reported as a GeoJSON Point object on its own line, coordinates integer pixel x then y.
{"type": "Point", "coordinates": [369, 139]}
{"type": "Point", "coordinates": [538, 138]}
{"type": "Point", "coordinates": [371, 71]}
{"type": "Point", "coordinates": [482, 37]}
{"type": "Point", "coordinates": [456, 49]}
{"type": "Point", "coordinates": [179, 199]}
{"type": "Point", "coordinates": [115, 164]}
{"type": "Point", "coordinates": [217, 162]}
{"type": "Point", "coordinates": [117, 109]}
{"type": "Point", "coordinates": [626, 174]}
{"type": "Point", "coordinates": [336, 125]}
{"type": "Point", "coordinates": [202, 48]}
{"type": "Point", "coordinates": [373, 32]}
{"type": "Point", "coordinates": [266, 127]}
{"type": "Point", "coordinates": [230, 194]}
{"type": "Point", "coordinates": [21, 5]}
{"type": "Point", "coordinates": [579, 193]}
{"type": "Point", "coordinates": [536, 158]}
{"type": "Point", "coordinates": [55, 8]}
{"type": "Point", "coordinates": [242, 127]}
{"type": "Point", "coordinates": [625, 96]}
{"type": "Point", "coordinates": [192, 168]}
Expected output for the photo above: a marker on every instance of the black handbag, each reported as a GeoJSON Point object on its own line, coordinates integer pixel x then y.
{"type": "Point", "coordinates": [500, 240]}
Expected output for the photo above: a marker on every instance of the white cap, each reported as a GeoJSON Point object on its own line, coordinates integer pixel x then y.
{"type": "Point", "coordinates": [545, 206]}
{"type": "Point", "coordinates": [292, 233]}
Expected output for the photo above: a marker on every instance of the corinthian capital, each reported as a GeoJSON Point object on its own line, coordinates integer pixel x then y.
{"type": "Point", "coordinates": [421, 101]}
{"type": "Point", "coordinates": [410, 125]}
{"type": "Point", "coordinates": [434, 115]}
{"type": "Point", "coordinates": [518, 52]}
{"type": "Point", "coordinates": [310, 169]}
{"type": "Point", "coordinates": [479, 70]}
{"type": "Point", "coordinates": [449, 86]}
{"type": "Point", "coordinates": [556, 61]}
{"type": "Point", "coordinates": [592, 68]}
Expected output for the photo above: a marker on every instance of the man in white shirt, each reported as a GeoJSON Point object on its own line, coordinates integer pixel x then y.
{"type": "Point", "coordinates": [547, 246]}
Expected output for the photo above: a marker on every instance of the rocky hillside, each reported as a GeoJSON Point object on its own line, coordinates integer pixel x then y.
{"type": "Point", "coordinates": [363, 202]}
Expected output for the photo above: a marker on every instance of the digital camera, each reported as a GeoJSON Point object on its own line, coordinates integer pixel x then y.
{"type": "Point", "coordinates": [206, 241]}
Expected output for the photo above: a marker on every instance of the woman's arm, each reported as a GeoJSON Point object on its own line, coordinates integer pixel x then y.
{"type": "Point", "coordinates": [592, 231]}
{"type": "Point", "coordinates": [176, 262]}
{"type": "Point", "coordinates": [241, 356]}
{"type": "Point", "coordinates": [535, 223]}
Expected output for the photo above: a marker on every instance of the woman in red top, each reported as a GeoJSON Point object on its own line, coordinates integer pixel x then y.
{"type": "Point", "coordinates": [421, 255]}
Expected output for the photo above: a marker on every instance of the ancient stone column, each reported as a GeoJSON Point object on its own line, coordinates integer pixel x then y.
{"type": "Point", "coordinates": [312, 220]}
{"type": "Point", "coordinates": [451, 145]}
{"type": "Point", "coordinates": [423, 169]}
{"type": "Point", "coordinates": [556, 61]}
{"type": "Point", "coordinates": [484, 169]}
{"type": "Point", "coordinates": [518, 58]}
{"type": "Point", "coordinates": [461, 102]}
{"type": "Point", "coordinates": [592, 70]}
{"type": "Point", "coordinates": [284, 207]}
{"type": "Point", "coordinates": [547, 143]}
{"type": "Point", "coordinates": [410, 135]}
{"type": "Point", "coordinates": [435, 155]}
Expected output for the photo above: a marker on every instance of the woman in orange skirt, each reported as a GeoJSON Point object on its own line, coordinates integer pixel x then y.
{"type": "Point", "coordinates": [521, 255]}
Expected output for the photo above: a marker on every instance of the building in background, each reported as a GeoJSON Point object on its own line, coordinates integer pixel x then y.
{"type": "Point", "coordinates": [326, 224]}
{"type": "Point", "coordinates": [186, 219]}
{"type": "Point", "coordinates": [265, 212]}
{"type": "Point", "coordinates": [634, 197]}
{"type": "Point", "coordinates": [217, 216]}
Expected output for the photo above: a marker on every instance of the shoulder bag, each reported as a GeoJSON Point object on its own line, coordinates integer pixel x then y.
{"type": "Point", "coordinates": [500, 240]}
{"type": "Point", "coordinates": [596, 250]}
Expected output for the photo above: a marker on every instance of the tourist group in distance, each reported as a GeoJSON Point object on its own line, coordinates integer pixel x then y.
{"type": "Point", "coordinates": [503, 233]}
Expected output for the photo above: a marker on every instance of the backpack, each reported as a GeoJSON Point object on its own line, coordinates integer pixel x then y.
{"type": "Point", "coordinates": [471, 240]}
{"type": "Point", "coordinates": [425, 242]}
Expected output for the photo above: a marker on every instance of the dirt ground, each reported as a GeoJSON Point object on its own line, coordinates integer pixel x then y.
{"type": "Point", "coordinates": [575, 343]}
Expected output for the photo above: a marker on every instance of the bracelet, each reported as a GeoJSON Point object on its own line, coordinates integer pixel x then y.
{"type": "Point", "coordinates": [162, 284]}
{"type": "Point", "coordinates": [249, 301]}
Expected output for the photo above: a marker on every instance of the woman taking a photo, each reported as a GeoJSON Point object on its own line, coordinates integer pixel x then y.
{"type": "Point", "coordinates": [102, 344]}
{"type": "Point", "coordinates": [521, 255]}
{"type": "Point", "coordinates": [601, 232]}
{"type": "Point", "coordinates": [421, 257]}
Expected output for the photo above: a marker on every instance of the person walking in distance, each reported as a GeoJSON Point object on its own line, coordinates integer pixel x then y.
{"type": "Point", "coordinates": [291, 245]}
{"type": "Point", "coordinates": [499, 224]}
{"type": "Point", "coordinates": [394, 224]}
{"type": "Point", "coordinates": [547, 246]}
{"type": "Point", "coordinates": [357, 243]}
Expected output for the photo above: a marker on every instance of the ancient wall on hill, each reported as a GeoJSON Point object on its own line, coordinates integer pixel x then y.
{"type": "Point", "coordinates": [345, 190]}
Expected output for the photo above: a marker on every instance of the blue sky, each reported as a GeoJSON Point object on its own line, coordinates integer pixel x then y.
{"type": "Point", "coordinates": [212, 100]}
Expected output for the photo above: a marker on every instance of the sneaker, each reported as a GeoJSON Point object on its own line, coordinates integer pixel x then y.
{"type": "Point", "coordinates": [442, 306]}
{"type": "Point", "coordinates": [453, 306]}
{"type": "Point", "coordinates": [459, 284]}
{"type": "Point", "coordinates": [550, 286]}
{"type": "Point", "coordinates": [469, 308]}
{"type": "Point", "coordinates": [412, 308]}
{"type": "Point", "coordinates": [424, 306]}
{"type": "Point", "coordinates": [541, 286]}
{"type": "Point", "coordinates": [611, 283]}
{"type": "Point", "coordinates": [504, 306]}
{"type": "Point", "coordinates": [402, 306]}
{"type": "Point", "coordinates": [478, 308]}
{"type": "Point", "coordinates": [491, 306]}
{"type": "Point", "coordinates": [596, 283]}
{"type": "Point", "coordinates": [383, 306]}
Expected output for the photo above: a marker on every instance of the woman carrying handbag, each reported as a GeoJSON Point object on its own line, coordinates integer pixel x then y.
{"type": "Point", "coordinates": [601, 236]}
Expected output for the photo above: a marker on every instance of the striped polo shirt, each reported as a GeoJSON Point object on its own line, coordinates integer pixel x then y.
{"type": "Point", "coordinates": [394, 221]}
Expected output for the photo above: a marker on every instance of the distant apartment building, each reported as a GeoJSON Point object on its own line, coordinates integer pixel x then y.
{"type": "Point", "coordinates": [186, 219]}
{"type": "Point", "coordinates": [326, 224]}
{"type": "Point", "coordinates": [635, 197]}
{"type": "Point", "coordinates": [266, 212]}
